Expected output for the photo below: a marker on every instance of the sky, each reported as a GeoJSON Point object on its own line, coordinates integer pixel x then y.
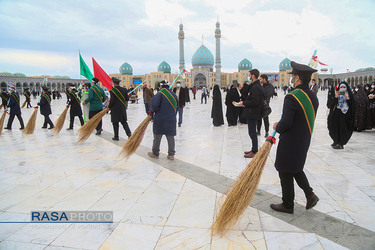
{"type": "Point", "coordinates": [44, 37]}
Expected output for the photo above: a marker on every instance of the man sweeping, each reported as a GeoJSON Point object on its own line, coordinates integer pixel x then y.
{"type": "Point", "coordinates": [96, 99]}
{"type": "Point", "coordinates": [15, 109]}
{"type": "Point", "coordinates": [295, 129]}
{"type": "Point", "coordinates": [45, 108]}
{"type": "Point", "coordinates": [75, 107]}
{"type": "Point", "coordinates": [164, 105]}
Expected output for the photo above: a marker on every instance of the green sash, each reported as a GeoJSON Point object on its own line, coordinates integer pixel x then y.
{"type": "Point", "coordinates": [3, 97]}
{"type": "Point", "coordinates": [74, 95]}
{"type": "Point", "coordinates": [117, 93]}
{"type": "Point", "coordinates": [47, 98]}
{"type": "Point", "coordinates": [307, 107]}
{"type": "Point", "coordinates": [170, 98]}
{"type": "Point", "coordinates": [97, 91]}
{"type": "Point", "coordinates": [27, 95]}
{"type": "Point", "coordinates": [16, 97]}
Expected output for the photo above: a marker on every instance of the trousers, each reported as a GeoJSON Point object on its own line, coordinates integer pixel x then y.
{"type": "Point", "coordinates": [287, 187]}
{"type": "Point", "coordinates": [156, 144]}
{"type": "Point", "coordinates": [124, 125]}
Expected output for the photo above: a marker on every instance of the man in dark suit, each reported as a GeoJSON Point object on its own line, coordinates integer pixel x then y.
{"type": "Point", "coordinates": [253, 108]}
{"type": "Point", "coordinates": [45, 108]}
{"type": "Point", "coordinates": [15, 109]}
{"type": "Point", "coordinates": [314, 87]}
{"type": "Point", "coordinates": [28, 97]}
{"type": "Point", "coordinates": [118, 105]}
{"type": "Point", "coordinates": [75, 107]}
{"type": "Point", "coordinates": [295, 129]}
{"type": "Point", "coordinates": [4, 98]}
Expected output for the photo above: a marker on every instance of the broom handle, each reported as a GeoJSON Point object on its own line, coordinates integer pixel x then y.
{"type": "Point", "coordinates": [177, 77]}
{"type": "Point", "coordinates": [274, 132]}
{"type": "Point", "coordinates": [136, 88]}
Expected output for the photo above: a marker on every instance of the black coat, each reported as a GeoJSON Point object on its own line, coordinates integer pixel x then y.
{"type": "Point", "coordinates": [182, 97]}
{"type": "Point", "coordinates": [217, 107]}
{"type": "Point", "coordinates": [4, 98]}
{"type": "Point", "coordinates": [295, 137]}
{"type": "Point", "coordinates": [118, 109]}
{"type": "Point", "coordinates": [27, 95]}
{"type": "Point", "coordinates": [232, 111]}
{"type": "Point", "coordinates": [254, 101]}
{"type": "Point", "coordinates": [75, 105]}
{"type": "Point", "coordinates": [45, 106]}
{"type": "Point", "coordinates": [14, 104]}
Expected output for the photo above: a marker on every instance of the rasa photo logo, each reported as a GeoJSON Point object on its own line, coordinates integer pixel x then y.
{"type": "Point", "coordinates": [72, 216]}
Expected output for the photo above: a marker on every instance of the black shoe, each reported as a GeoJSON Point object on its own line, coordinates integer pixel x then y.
{"type": "Point", "coordinates": [333, 144]}
{"type": "Point", "coordinates": [266, 135]}
{"type": "Point", "coordinates": [130, 135]}
{"type": "Point", "coordinates": [99, 132]}
{"type": "Point", "coordinates": [338, 146]}
{"type": "Point", "coordinates": [8, 128]}
{"type": "Point", "coordinates": [115, 138]}
{"type": "Point", "coordinates": [22, 128]}
{"type": "Point", "coordinates": [44, 127]}
{"type": "Point", "coordinates": [312, 200]}
{"type": "Point", "coordinates": [69, 129]}
{"type": "Point", "coordinates": [51, 127]}
{"type": "Point", "coordinates": [280, 208]}
{"type": "Point", "coordinates": [258, 133]}
{"type": "Point", "coordinates": [179, 125]}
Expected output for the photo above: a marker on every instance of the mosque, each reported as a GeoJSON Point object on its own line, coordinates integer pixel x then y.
{"type": "Point", "coordinates": [206, 71]}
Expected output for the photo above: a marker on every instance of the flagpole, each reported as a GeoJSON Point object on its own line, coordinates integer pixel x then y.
{"type": "Point", "coordinates": [136, 87]}
{"type": "Point", "coordinates": [177, 77]}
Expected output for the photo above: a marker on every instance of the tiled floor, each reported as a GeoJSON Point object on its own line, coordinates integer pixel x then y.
{"type": "Point", "coordinates": [159, 204]}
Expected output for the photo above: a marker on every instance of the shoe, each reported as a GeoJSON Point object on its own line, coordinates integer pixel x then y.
{"type": "Point", "coordinates": [179, 125]}
{"type": "Point", "coordinates": [250, 155]}
{"type": "Point", "coordinates": [115, 138]}
{"type": "Point", "coordinates": [170, 157]}
{"type": "Point", "coordinates": [266, 135]}
{"type": "Point", "coordinates": [333, 144]}
{"type": "Point", "coordinates": [22, 128]}
{"type": "Point", "coordinates": [51, 127]}
{"type": "Point", "coordinates": [152, 155]}
{"type": "Point", "coordinates": [312, 200]}
{"type": "Point", "coordinates": [69, 129]}
{"type": "Point", "coordinates": [247, 152]}
{"type": "Point", "coordinates": [338, 146]}
{"type": "Point", "coordinates": [280, 208]}
{"type": "Point", "coordinates": [8, 128]}
{"type": "Point", "coordinates": [258, 133]}
{"type": "Point", "coordinates": [130, 135]}
{"type": "Point", "coordinates": [44, 127]}
{"type": "Point", "coordinates": [99, 132]}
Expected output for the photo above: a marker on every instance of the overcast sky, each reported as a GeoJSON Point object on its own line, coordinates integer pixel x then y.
{"type": "Point", "coordinates": [43, 37]}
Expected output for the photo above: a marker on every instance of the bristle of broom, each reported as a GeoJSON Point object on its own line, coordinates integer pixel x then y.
{"type": "Point", "coordinates": [2, 122]}
{"type": "Point", "coordinates": [23, 105]}
{"type": "Point", "coordinates": [60, 122]}
{"type": "Point", "coordinates": [30, 126]}
{"type": "Point", "coordinates": [85, 131]}
{"type": "Point", "coordinates": [135, 140]}
{"type": "Point", "coordinates": [242, 193]}
{"type": "Point", "coordinates": [1, 106]}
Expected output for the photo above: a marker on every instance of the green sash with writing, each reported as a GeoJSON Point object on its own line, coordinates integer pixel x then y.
{"type": "Point", "coordinates": [27, 95]}
{"type": "Point", "coordinates": [3, 97]}
{"type": "Point", "coordinates": [47, 98]}
{"type": "Point", "coordinates": [170, 98]}
{"type": "Point", "coordinates": [97, 91]}
{"type": "Point", "coordinates": [307, 107]}
{"type": "Point", "coordinates": [75, 97]}
{"type": "Point", "coordinates": [118, 94]}
{"type": "Point", "coordinates": [16, 98]}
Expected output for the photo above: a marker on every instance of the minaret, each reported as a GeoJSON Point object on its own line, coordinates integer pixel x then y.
{"type": "Point", "coordinates": [218, 60]}
{"type": "Point", "coordinates": [181, 37]}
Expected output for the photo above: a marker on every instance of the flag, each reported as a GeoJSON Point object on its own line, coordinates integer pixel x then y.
{"type": "Point", "coordinates": [184, 71]}
{"type": "Point", "coordinates": [101, 75]}
{"type": "Point", "coordinates": [84, 69]}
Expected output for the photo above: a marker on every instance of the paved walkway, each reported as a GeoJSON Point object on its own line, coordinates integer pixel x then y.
{"type": "Point", "coordinates": [167, 205]}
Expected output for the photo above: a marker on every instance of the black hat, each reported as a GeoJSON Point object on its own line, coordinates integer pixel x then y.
{"type": "Point", "coordinates": [164, 82]}
{"type": "Point", "coordinates": [115, 80]}
{"type": "Point", "coordinates": [301, 69]}
{"type": "Point", "coordinates": [26, 88]}
{"type": "Point", "coordinates": [45, 88]}
{"type": "Point", "coordinates": [95, 80]}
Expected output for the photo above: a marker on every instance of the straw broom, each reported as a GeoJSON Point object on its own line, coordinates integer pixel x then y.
{"type": "Point", "coordinates": [135, 140]}
{"type": "Point", "coordinates": [30, 126]}
{"type": "Point", "coordinates": [60, 121]}
{"type": "Point", "coordinates": [85, 131]}
{"type": "Point", "coordinates": [2, 122]}
{"type": "Point", "coordinates": [23, 105]}
{"type": "Point", "coordinates": [243, 191]}
{"type": "Point", "coordinates": [1, 106]}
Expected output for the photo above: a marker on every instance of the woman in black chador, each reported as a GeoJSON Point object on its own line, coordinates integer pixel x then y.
{"type": "Point", "coordinates": [341, 116]}
{"type": "Point", "coordinates": [362, 116]}
{"type": "Point", "coordinates": [232, 111]}
{"type": "Point", "coordinates": [217, 107]}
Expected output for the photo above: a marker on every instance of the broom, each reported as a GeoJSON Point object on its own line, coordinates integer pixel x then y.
{"type": "Point", "coordinates": [2, 121]}
{"type": "Point", "coordinates": [30, 126]}
{"type": "Point", "coordinates": [135, 139]}
{"type": "Point", "coordinates": [85, 131]}
{"type": "Point", "coordinates": [23, 105]}
{"type": "Point", "coordinates": [243, 191]}
{"type": "Point", "coordinates": [60, 121]}
{"type": "Point", "coordinates": [1, 106]}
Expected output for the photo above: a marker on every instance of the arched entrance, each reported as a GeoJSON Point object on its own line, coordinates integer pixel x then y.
{"type": "Point", "coordinates": [4, 86]}
{"type": "Point", "coordinates": [18, 87]}
{"type": "Point", "coordinates": [200, 80]}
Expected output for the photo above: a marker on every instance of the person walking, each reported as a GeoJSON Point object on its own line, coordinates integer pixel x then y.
{"type": "Point", "coordinates": [314, 87]}
{"type": "Point", "coordinates": [75, 108]}
{"type": "Point", "coordinates": [194, 91]}
{"type": "Point", "coordinates": [28, 98]}
{"type": "Point", "coordinates": [96, 98]}
{"type": "Point", "coordinates": [147, 95]}
{"type": "Point", "coordinates": [217, 107]}
{"type": "Point", "coordinates": [253, 107]}
{"type": "Point", "coordinates": [295, 128]}
{"type": "Point", "coordinates": [204, 95]}
{"type": "Point", "coordinates": [15, 109]}
{"type": "Point", "coordinates": [164, 106]}
{"type": "Point", "coordinates": [268, 91]}
{"type": "Point", "coordinates": [181, 93]}
{"type": "Point", "coordinates": [45, 108]}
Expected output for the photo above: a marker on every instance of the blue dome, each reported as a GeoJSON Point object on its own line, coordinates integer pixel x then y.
{"type": "Point", "coordinates": [245, 64]}
{"type": "Point", "coordinates": [19, 74]}
{"type": "Point", "coordinates": [7, 74]}
{"type": "Point", "coordinates": [365, 69]}
{"type": "Point", "coordinates": [164, 67]}
{"type": "Point", "coordinates": [203, 57]}
{"type": "Point", "coordinates": [285, 65]}
{"type": "Point", "coordinates": [126, 69]}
